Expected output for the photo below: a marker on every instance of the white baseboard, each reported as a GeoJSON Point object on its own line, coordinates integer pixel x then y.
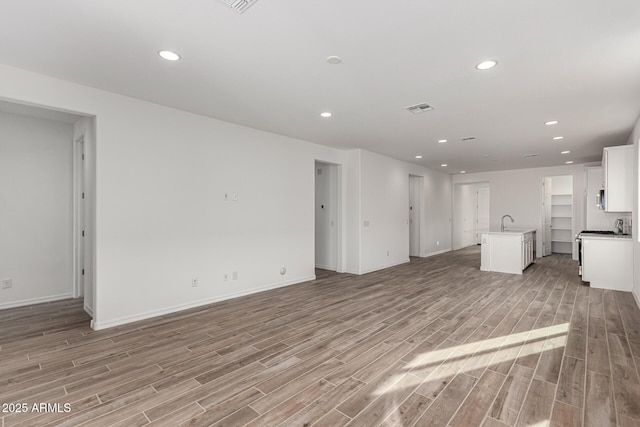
{"type": "Point", "coordinates": [88, 310]}
{"type": "Point", "coordinates": [97, 325]}
{"type": "Point", "coordinates": [39, 300]}
{"type": "Point", "coordinates": [325, 267]}
{"type": "Point", "coordinates": [371, 270]}
{"type": "Point", "coordinates": [435, 253]}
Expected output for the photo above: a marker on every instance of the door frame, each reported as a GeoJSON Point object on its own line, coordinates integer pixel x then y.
{"type": "Point", "coordinates": [337, 199]}
{"type": "Point", "coordinates": [79, 214]}
{"type": "Point", "coordinates": [418, 189]}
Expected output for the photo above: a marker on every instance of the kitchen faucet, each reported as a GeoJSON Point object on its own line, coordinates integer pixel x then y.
{"type": "Point", "coordinates": [502, 222]}
{"type": "Point", "coordinates": [618, 225]}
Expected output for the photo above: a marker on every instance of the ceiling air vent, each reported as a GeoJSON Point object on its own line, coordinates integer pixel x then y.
{"type": "Point", "coordinates": [419, 108]}
{"type": "Point", "coordinates": [239, 6]}
{"type": "Point", "coordinates": [468, 139]}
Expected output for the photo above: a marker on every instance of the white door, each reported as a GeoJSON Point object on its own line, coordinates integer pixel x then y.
{"type": "Point", "coordinates": [415, 192]}
{"type": "Point", "coordinates": [482, 212]}
{"type": "Point", "coordinates": [546, 207]}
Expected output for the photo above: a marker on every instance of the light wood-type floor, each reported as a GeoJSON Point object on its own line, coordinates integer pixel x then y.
{"type": "Point", "coordinates": [434, 342]}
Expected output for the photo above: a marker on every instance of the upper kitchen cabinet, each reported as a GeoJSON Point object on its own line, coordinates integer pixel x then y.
{"type": "Point", "coordinates": [617, 178]}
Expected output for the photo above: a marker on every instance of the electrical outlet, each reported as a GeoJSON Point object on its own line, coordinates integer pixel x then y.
{"type": "Point", "coordinates": [234, 196]}
{"type": "Point", "coordinates": [194, 282]}
{"type": "Point", "coordinates": [6, 283]}
{"type": "Point", "coordinates": [226, 277]}
{"type": "Point", "coordinates": [438, 243]}
{"type": "Point", "coordinates": [234, 275]}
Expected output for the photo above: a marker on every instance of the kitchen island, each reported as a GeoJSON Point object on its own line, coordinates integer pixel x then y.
{"type": "Point", "coordinates": [509, 251]}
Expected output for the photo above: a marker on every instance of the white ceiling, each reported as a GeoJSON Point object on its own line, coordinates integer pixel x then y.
{"type": "Point", "coordinates": [576, 61]}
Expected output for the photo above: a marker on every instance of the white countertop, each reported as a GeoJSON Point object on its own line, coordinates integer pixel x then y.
{"type": "Point", "coordinates": [513, 231]}
{"type": "Point", "coordinates": [606, 236]}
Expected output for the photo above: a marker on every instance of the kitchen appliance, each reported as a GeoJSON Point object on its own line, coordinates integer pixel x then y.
{"type": "Point", "coordinates": [579, 240]}
{"type": "Point", "coordinates": [600, 200]}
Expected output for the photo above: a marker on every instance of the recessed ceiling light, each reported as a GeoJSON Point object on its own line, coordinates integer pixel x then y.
{"type": "Point", "coordinates": [418, 157]}
{"type": "Point", "coordinates": [334, 60]}
{"type": "Point", "coordinates": [558, 138]}
{"type": "Point", "coordinates": [463, 171]}
{"type": "Point", "coordinates": [442, 141]}
{"type": "Point", "coordinates": [551, 122]}
{"type": "Point", "coordinates": [565, 152]}
{"type": "Point", "coordinates": [570, 162]}
{"type": "Point", "coordinates": [326, 114]}
{"type": "Point", "coordinates": [168, 55]}
{"type": "Point", "coordinates": [486, 65]}
{"type": "Point", "coordinates": [444, 165]}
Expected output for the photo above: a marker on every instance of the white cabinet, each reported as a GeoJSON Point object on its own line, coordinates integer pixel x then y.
{"type": "Point", "coordinates": [528, 249]}
{"type": "Point", "coordinates": [607, 262]}
{"type": "Point", "coordinates": [508, 251]}
{"type": "Point", "coordinates": [617, 178]}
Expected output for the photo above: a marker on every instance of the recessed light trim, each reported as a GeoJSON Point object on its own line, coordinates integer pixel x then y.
{"type": "Point", "coordinates": [487, 65]}
{"type": "Point", "coordinates": [551, 122]}
{"type": "Point", "coordinates": [558, 138]}
{"type": "Point", "coordinates": [444, 165]}
{"type": "Point", "coordinates": [334, 60]}
{"type": "Point", "coordinates": [565, 152]}
{"type": "Point", "coordinates": [418, 157]}
{"type": "Point", "coordinates": [570, 162]}
{"type": "Point", "coordinates": [169, 55]}
{"type": "Point", "coordinates": [442, 141]}
{"type": "Point", "coordinates": [326, 114]}
{"type": "Point", "coordinates": [463, 171]}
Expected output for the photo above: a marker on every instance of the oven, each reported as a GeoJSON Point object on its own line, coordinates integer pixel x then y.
{"type": "Point", "coordinates": [579, 240]}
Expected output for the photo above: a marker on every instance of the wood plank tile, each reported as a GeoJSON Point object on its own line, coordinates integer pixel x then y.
{"type": "Point", "coordinates": [564, 415]}
{"type": "Point", "coordinates": [433, 319]}
{"type": "Point", "coordinates": [473, 409]}
{"type": "Point", "coordinates": [408, 412]}
{"type": "Point", "coordinates": [598, 356]}
{"type": "Point", "coordinates": [510, 398]}
{"type": "Point", "coordinates": [447, 403]}
{"type": "Point", "coordinates": [571, 383]}
{"type": "Point", "coordinates": [538, 403]}
{"type": "Point", "coordinates": [600, 409]}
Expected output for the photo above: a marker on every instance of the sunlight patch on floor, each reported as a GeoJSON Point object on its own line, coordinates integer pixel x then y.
{"type": "Point", "coordinates": [433, 366]}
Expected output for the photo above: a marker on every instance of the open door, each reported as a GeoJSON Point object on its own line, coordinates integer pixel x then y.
{"type": "Point", "coordinates": [546, 207]}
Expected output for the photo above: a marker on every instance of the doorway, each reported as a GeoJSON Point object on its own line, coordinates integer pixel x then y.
{"type": "Point", "coordinates": [328, 216]}
{"type": "Point", "coordinates": [471, 213]}
{"type": "Point", "coordinates": [557, 215]}
{"type": "Point", "coordinates": [416, 184]}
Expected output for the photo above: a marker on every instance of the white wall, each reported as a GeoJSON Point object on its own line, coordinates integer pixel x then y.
{"type": "Point", "coordinates": [326, 216]}
{"type": "Point", "coordinates": [519, 194]}
{"type": "Point", "coordinates": [35, 209]}
{"type": "Point", "coordinates": [160, 216]}
{"type": "Point", "coordinates": [634, 139]}
{"type": "Point", "coordinates": [384, 201]}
